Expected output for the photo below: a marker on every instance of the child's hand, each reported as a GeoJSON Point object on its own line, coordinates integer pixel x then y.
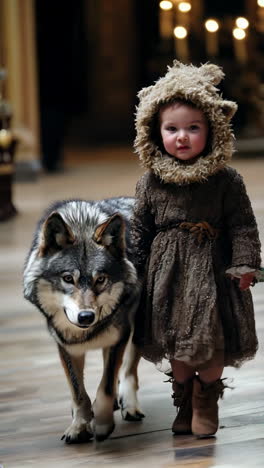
{"type": "Point", "coordinates": [246, 280]}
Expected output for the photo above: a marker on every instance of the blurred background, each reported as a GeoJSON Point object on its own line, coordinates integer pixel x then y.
{"type": "Point", "coordinates": [70, 71]}
{"type": "Point", "coordinates": [74, 68]}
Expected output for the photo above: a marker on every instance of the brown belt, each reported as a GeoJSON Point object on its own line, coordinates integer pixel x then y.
{"type": "Point", "coordinates": [200, 230]}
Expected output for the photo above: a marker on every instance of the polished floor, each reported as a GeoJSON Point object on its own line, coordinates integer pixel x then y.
{"type": "Point", "coordinates": [34, 397]}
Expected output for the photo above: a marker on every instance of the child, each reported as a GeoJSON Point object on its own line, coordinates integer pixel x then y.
{"type": "Point", "coordinates": [196, 242]}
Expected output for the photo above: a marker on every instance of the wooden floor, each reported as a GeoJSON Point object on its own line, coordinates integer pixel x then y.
{"type": "Point", "coordinates": [34, 397]}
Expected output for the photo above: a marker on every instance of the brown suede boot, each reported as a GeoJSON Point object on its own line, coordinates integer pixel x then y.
{"type": "Point", "coordinates": [182, 397]}
{"type": "Point", "coordinates": [205, 407]}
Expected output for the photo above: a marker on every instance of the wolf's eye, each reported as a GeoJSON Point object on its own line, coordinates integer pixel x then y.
{"type": "Point", "coordinates": [100, 280]}
{"type": "Point", "coordinates": [68, 278]}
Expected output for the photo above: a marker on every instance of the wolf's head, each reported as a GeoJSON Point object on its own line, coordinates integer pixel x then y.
{"type": "Point", "coordinates": [78, 269]}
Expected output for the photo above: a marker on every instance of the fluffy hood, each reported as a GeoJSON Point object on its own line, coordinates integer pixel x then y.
{"type": "Point", "coordinates": [195, 84]}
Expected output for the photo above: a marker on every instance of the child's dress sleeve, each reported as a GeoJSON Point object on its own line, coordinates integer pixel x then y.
{"type": "Point", "coordinates": [242, 228]}
{"type": "Point", "coordinates": [143, 227]}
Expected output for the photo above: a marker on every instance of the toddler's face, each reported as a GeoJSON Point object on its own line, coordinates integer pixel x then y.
{"type": "Point", "coordinates": [184, 130]}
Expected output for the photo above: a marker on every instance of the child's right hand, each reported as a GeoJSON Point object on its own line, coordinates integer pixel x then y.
{"type": "Point", "coordinates": [246, 280]}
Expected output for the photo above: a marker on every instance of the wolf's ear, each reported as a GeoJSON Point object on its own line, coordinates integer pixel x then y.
{"type": "Point", "coordinates": [56, 235]}
{"type": "Point", "coordinates": [111, 234]}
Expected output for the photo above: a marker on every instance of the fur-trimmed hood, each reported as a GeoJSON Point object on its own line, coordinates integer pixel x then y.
{"type": "Point", "coordinates": [195, 84]}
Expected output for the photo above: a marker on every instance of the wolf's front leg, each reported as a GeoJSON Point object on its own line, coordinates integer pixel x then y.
{"type": "Point", "coordinates": [128, 384]}
{"type": "Point", "coordinates": [103, 407]}
{"type": "Point", "coordinates": [79, 431]}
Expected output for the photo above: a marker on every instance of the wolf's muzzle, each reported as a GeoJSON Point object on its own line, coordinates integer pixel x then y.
{"type": "Point", "coordinates": [86, 318]}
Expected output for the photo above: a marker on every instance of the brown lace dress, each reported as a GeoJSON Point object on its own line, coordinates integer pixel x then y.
{"type": "Point", "coordinates": [190, 309]}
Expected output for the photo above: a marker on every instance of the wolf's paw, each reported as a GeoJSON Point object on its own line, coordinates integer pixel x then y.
{"type": "Point", "coordinates": [102, 431]}
{"type": "Point", "coordinates": [130, 410]}
{"type": "Point", "coordinates": [78, 433]}
{"type": "Point", "coordinates": [131, 413]}
{"type": "Point", "coordinates": [127, 399]}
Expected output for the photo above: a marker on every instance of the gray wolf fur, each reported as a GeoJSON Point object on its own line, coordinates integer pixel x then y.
{"type": "Point", "coordinates": [80, 275]}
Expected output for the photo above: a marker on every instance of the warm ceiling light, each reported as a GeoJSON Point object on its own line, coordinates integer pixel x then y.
{"type": "Point", "coordinates": [261, 3]}
{"type": "Point", "coordinates": [180, 32]}
{"type": "Point", "coordinates": [184, 7]}
{"type": "Point", "coordinates": [211, 25]}
{"type": "Point", "coordinates": [242, 23]}
{"type": "Point", "coordinates": [239, 34]}
{"type": "Point", "coordinates": [166, 5]}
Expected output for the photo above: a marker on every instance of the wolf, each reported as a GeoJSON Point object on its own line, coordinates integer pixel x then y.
{"type": "Point", "coordinates": [79, 273]}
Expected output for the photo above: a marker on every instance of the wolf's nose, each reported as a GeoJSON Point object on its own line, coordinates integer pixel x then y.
{"type": "Point", "coordinates": [86, 317]}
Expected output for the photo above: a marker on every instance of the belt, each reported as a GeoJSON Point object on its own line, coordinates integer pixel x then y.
{"type": "Point", "coordinates": [200, 230]}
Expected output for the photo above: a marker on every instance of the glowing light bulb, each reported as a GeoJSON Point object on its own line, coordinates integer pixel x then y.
{"type": "Point", "coordinates": [180, 32]}
{"type": "Point", "coordinates": [239, 34]}
{"type": "Point", "coordinates": [211, 25]}
{"type": "Point", "coordinates": [5, 138]}
{"type": "Point", "coordinates": [184, 7]}
{"type": "Point", "coordinates": [242, 23]}
{"type": "Point", "coordinates": [261, 3]}
{"type": "Point", "coordinates": [166, 5]}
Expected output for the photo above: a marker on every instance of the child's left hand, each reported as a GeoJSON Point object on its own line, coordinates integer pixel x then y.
{"type": "Point", "coordinates": [246, 280]}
